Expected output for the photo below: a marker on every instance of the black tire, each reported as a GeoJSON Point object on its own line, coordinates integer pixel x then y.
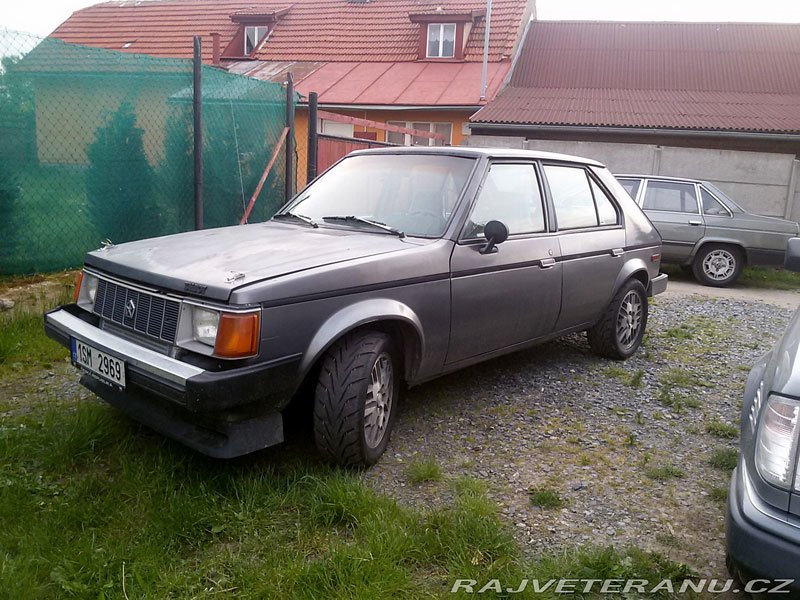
{"type": "Point", "coordinates": [718, 265]}
{"type": "Point", "coordinates": [344, 433]}
{"type": "Point", "coordinates": [608, 338]}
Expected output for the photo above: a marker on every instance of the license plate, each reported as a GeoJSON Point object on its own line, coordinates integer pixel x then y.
{"type": "Point", "coordinates": [104, 366]}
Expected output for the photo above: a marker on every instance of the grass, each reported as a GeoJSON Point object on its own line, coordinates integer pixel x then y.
{"type": "Point", "coordinates": [23, 344]}
{"type": "Point", "coordinates": [544, 497]}
{"type": "Point", "coordinates": [765, 277]}
{"type": "Point", "coordinates": [634, 380]}
{"type": "Point", "coordinates": [93, 506]}
{"type": "Point", "coordinates": [718, 493]}
{"type": "Point", "coordinates": [664, 472]}
{"type": "Point", "coordinates": [722, 430]}
{"type": "Point", "coordinates": [423, 470]}
{"type": "Point", "coordinates": [724, 459]}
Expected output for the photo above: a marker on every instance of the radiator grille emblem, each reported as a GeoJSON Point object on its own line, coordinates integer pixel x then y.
{"type": "Point", "coordinates": [130, 308]}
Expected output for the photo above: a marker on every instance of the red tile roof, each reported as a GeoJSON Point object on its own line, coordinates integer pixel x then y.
{"type": "Point", "coordinates": [312, 30]}
{"type": "Point", "coordinates": [714, 76]}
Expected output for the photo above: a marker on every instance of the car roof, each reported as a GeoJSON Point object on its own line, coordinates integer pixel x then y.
{"type": "Point", "coordinates": [468, 151]}
{"type": "Point", "coordinates": [662, 177]}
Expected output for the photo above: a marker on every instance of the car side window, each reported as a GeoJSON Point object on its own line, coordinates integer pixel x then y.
{"type": "Point", "coordinates": [712, 206]}
{"type": "Point", "coordinates": [606, 212]}
{"type": "Point", "coordinates": [631, 186]}
{"type": "Point", "coordinates": [572, 197]}
{"type": "Point", "coordinates": [510, 194]}
{"type": "Point", "coordinates": [670, 196]}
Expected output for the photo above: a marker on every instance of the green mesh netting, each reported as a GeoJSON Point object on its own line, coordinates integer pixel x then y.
{"type": "Point", "coordinates": [96, 145]}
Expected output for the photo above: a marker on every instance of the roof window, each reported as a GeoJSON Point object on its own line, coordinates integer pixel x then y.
{"type": "Point", "coordinates": [441, 40]}
{"type": "Point", "coordinates": [253, 36]}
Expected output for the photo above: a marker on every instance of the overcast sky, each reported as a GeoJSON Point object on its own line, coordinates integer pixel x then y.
{"type": "Point", "coordinates": [42, 16]}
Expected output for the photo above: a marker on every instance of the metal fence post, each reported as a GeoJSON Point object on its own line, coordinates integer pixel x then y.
{"type": "Point", "coordinates": [197, 104]}
{"type": "Point", "coordinates": [311, 167]}
{"type": "Point", "coordinates": [289, 175]}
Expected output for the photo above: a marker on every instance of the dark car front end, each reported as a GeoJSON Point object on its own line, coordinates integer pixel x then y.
{"type": "Point", "coordinates": [763, 514]}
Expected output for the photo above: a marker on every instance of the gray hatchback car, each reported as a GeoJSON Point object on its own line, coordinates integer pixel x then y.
{"type": "Point", "coordinates": [394, 266]}
{"type": "Point", "coordinates": [763, 522]}
{"type": "Point", "coordinates": [707, 232]}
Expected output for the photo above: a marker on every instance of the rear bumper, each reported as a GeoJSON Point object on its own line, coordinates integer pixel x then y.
{"type": "Point", "coordinates": [658, 285]}
{"type": "Point", "coordinates": [760, 545]}
{"type": "Point", "coordinates": [222, 413]}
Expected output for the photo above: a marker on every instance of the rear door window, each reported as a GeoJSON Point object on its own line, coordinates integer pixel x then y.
{"type": "Point", "coordinates": [671, 196]}
{"type": "Point", "coordinates": [572, 197]}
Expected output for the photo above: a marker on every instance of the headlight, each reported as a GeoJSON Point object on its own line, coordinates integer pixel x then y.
{"type": "Point", "coordinates": [204, 325]}
{"type": "Point", "coordinates": [220, 333]}
{"type": "Point", "coordinates": [86, 291]}
{"type": "Point", "coordinates": [776, 445]}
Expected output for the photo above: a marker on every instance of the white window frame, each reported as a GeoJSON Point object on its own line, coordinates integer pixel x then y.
{"type": "Point", "coordinates": [431, 127]}
{"type": "Point", "coordinates": [259, 38]}
{"type": "Point", "coordinates": [441, 27]}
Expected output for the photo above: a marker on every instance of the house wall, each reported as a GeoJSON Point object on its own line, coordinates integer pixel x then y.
{"type": "Point", "coordinates": [457, 117]}
{"type": "Point", "coordinates": [761, 182]}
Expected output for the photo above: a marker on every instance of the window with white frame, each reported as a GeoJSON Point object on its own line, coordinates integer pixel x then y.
{"type": "Point", "coordinates": [253, 36]}
{"type": "Point", "coordinates": [406, 139]}
{"type": "Point", "coordinates": [441, 40]}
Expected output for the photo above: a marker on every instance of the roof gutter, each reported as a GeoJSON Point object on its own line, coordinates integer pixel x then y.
{"type": "Point", "coordinates": [649, 132]}
{"type": "Point", "coordinates": [395, 107]}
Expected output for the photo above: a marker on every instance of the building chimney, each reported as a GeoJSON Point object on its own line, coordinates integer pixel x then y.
{"type": "Point", "coordinates": [216, 51]}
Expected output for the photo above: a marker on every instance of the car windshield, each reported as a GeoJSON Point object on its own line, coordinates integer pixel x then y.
{"type": "Point", "coordinates": [411, 193]}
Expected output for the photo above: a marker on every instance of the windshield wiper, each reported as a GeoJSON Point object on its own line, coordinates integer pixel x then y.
{"type": "Point", "coordinates": [291, 215]}
{"type": "Point", "coordinates": [376, 224]}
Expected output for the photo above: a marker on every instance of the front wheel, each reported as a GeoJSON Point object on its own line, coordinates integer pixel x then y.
{"type": "Point", "coordinates": [356, 399]}
{"type": "Point", "coordinates": [717, 265]}
{"type": "Point", "coordinates": [619, 332]}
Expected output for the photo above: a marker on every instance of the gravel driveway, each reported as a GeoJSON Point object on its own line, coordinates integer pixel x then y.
{"type": "Point", "coordinates": [622, 451]}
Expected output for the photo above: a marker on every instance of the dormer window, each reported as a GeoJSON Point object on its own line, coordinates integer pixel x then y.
{"type": "Point", "coordinates": [441, 40]}
{"type": "Point", "coordinates": [253, 36]}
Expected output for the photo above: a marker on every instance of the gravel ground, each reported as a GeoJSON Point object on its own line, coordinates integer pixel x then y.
{"type": "Point", "coordinates": [625, 446]}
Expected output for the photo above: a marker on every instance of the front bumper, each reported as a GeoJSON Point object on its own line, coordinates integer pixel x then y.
{"type": "Point", "coordinates": [221, 413]}
{"type": "Point", "coordinates": [659, 284]}
{"type": "Point", "coordinates": [760, 542]}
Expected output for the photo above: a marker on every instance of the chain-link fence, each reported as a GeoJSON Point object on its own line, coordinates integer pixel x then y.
{"type": "Point", "coordinates": [97, 144]}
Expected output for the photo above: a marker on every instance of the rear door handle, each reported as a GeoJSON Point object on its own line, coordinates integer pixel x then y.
{"type": "Point", "coordinates": [695, 223]}
{"type": "Point", "coordinates": [616, 252]}
{"type": "Point", "coordinates": [546, 263]}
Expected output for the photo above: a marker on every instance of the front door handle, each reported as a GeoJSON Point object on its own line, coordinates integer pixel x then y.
{"type": "Point", "coordinates": [695, 223]}
{"type": "Point", "coordinates": [616, 252]}
{"type": "Point", "coordinates": [546, 263]}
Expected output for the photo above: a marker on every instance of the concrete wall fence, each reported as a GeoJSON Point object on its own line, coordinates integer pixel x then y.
{"type": "Point", "coordinates": [761, 182]}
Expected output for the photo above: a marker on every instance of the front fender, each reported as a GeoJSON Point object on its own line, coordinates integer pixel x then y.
{"type": "Point", "coordinates": [354, 316]}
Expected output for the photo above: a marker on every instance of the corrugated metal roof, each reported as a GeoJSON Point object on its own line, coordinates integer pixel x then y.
{"type": "Point", "coordinates": [312, 30]}
{"type": "Point", "coordinates": [398, 83]}
{"type": "Point", "coordinates": [726, 76]}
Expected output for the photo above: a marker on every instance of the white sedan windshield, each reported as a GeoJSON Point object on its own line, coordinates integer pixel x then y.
{"type": "Point", "coordinates": [412, 193]}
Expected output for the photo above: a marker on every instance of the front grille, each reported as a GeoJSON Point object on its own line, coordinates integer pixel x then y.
{"type": "Point", "coordinates": [153, 315]}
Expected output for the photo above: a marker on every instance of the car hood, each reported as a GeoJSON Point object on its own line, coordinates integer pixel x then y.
{"type": "Point", "coordinates": [786, 361]}
{"type": "Point", "coordinates": [213, 262]}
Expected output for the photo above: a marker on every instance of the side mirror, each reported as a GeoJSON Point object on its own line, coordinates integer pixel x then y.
{"type": "Point", "coordinates": [495, 233]}
{"type": "Point", "coordinates": [792, 259]}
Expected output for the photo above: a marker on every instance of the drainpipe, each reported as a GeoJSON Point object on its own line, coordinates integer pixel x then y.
{"type": "Point", "coordinates": [484, 71]}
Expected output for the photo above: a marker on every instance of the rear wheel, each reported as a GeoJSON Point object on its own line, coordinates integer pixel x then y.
{"type": "Point", "coordinates": [718, 265]}
{"type": "Point", "coordinates": [356, 399]}
{"type": "Point", "coordinates": [619, 332]}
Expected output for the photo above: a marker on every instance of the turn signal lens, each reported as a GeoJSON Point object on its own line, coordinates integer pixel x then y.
{"type": "Point", "coordinates": [776, 446]}
{"type": "Point", "coordinates": [237, 335]}
{"type": "Point", "coordinates": [78, 283]}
